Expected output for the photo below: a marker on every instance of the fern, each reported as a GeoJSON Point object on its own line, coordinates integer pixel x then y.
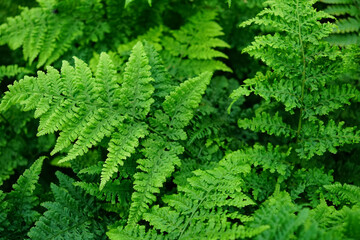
{"type": "Point", "coordinates": [194, 43]}
{"type": "Point", "coordinates": [203, 206]}
{"type": "Point", "coordinates": [45, 34]}
{"type": "Point", "coordinates": [346, 192]}
{"type": "Point", "coordinates": [134, 232]}
{"type": "Point", "coordinates": [190, 50]}
{"type": "Point", "coordinates": [41, 34]}
{"type": "Point", "coordinates": [273, 125]}
{"type": "Point", "coordinates": [19, 206]}
{"type": "Point", "coordinates": [348, 21]}
{"type": "Point", "coordinates": [71, 215]}
{"type": "Point", "coordinates": [12, 71]}
{"type": "Point", "coordinates": [113, 192]}
{"type": "Point", "coordinates": [286, 220]}
{"type": "Point", "coordinates": [304, 78]}
{"type": "Point", "coordinates": [130, 100]}
{"type": "Point", "coordinates": [161, 153]}
{"type": "Point", "coordinates": [85, 109]}
{"type": "Point", "coordinates": [138, 105]}
{"type": "Point", "coordinates": [346, 219]}
{"type": "Point", "coordinates": [327, 138]}
{"type": "Point", "coordinates": [52, 106]}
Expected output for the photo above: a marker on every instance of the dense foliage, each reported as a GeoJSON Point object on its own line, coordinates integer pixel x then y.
{"type": "Point", "coordinates": [169, 119]}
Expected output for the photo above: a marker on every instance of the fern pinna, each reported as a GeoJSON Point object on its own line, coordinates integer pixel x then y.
{"type": "Point", "coordinates": [348, 21]}
{"type": "Point", "coordinates": [86, 109]}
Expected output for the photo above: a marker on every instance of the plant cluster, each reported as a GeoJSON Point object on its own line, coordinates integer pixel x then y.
{"type": "Point", "coordinates": [209, 119]}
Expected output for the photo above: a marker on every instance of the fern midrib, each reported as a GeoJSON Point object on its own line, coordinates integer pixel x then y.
{"type": "Point", "coordinates": [192, 214]}
{"type": "Point", "coordinates": [303, 72]}
{"type": "Point", "coordinates": [68, 228]}
{"type": "Point", "coordinates": [73, 99]}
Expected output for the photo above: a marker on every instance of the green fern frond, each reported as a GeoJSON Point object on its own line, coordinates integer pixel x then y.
{"type": "Point", "coordinates": [12, 71]}
{"type": "Point", "coordinates": [163, 83]}
{"type": "Point", "coordinates": [180, 103]}
{"type": "Point", "coordinates": [322, 213]}
{"type": "Point", "coordinates": [137, 89]}
{"type": "Point", "coordinates": [205, 225]}
{"type": "Point", "coordinates": [42, 34]}
{"type": "Point", "coordinates": [22, 202]}
{"type": "Point", "coordinates": [341, 9]}
{"type": "Point", "coordinates": [135, 95]}
{"type": "Point", "coordinates": [122, 144]}
{"type": "Point", "coordinates": [304, 78]}
{"type": "Point", "coordinates": [348, 25]}
{"type": "Point", "coordinates": [161, 153]}
{"type": "Point", "coordinates": [134, 232]}
{"type": "Point", "coordinates": [286, 220]}
{"type": "Point", "coordinates": [87, 108]}
{"type": "Point", "coordinates": [178, 107]}
{"type": "Point", "coordinates": [114, 192]}
{"type": "Point", "coordinates": [80, 106]}
{"type": "Point", "coordinates": [269, 86]}
{"type": "Point", "coordinates": [160, 161]}
{"type": "Point", "coordinates": [203, 130]}
{"type": "Point", "coordinates": [190, 50]}
{"type": "Point", "coordinates": [197, 40]}
{"type": "Point", "coordinates": [199, 207]}
{"type": "Point", "coordinates": [345, 192]}
{"type": "Point", "coordinates": [329, 100]}
{"type": "Point", "coordinates": [70, 102]}
{"type": "Point", "coordinates": [328, 137]}
{"type": "Point", "coordinates": [25, 185]}
{"type": "Point", "coordinates": [72, 215]}
{"type": "Point", "coordinates": [342, 40]}
{"type": "Point", "coordinates": [268, 158]}
{"type": "Point", "coordinates": [165, 219]}
{"type": "Point", "coordinates": [272, 125]}
{"type": "Point", "coordinates": [200, 47]}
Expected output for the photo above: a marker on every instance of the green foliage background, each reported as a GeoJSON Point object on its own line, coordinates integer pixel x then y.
{"type": "Point", "coordinates": [169, 119]}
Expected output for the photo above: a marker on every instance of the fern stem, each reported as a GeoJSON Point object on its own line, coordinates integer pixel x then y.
{"type": "Point", "coordinates": [303, 74]}
{"type": "Point", "coordinates": [192, 215]}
